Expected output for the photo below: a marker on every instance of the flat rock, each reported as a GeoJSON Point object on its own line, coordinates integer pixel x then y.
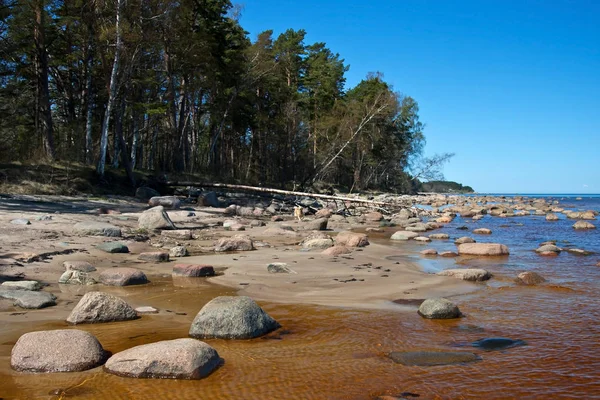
{"type": "Point", "coordinates": [438, 308]}
{"type": "Point", "coordinates": [97, 307]}
{"type": "Point", "coordinates": [422, 239]}
{"type": "Point", "coordinates": [146, 310]}
{"type": "Point", "coordinates": [170, 202]}
{"type": "Point", "coordinates": [168, 359]}
{"type": "Point", "coordinates": [429, 252]}
{"type": "Point", "coordinates": [22, 285]}
{"type": "Point", "coordinates": [193, 270]}
{"type": "Point", "coordinates": [122, 276]}
{"type": "Point", "coordinates": [318, 243]}
{"type": "Point", "coordinates": [583, 225]}
{"type": "Point", "coordinates": [467, 274]}
{"type": "Point", "coordinates": [28, 299]}
{"type": "Point", "coordinates": [232, 317]}
{"type": "Point", "coordinates": [155, 218]}
{"type": "Point", "coordinates": [351, 239]}
{"type": "Point", "coordinates": [179, 234]}
{"type": "Point", "coordinates": [483, 249]}
{"type": "Point", "coordinates": [234, 243]}
{"type": "Point", "coordinates": [280, 268]}
{"type": "Point", "coordinates": [72, 277]}
{"type": "Point", "coordinates": [464, 239]}
{"type": "Point", "coordinates": [336, 251]}
{"type": "Point", "coordinates": [431, 358]}
{"type": "Point", "coordinates": [154, 256]}
{"type": "Point", "coordinates": [82, 266]}
{"type": "Point", "coordinates": [482, 231]}
{"type": "Point", "coordinates": [497, 343]}
{"type": "Point", "coordinates": [20, 221]}
{"type": "Point", "coordinates": [113, 247]}
{"type": "Point", "coordinates": [448, 254]}
{"type": "Point", "coordinates": [439, 236]}
{"type": "Point", "coordinates": [62, 350]}
{"type": "Point", "coordinates": [97, 229]}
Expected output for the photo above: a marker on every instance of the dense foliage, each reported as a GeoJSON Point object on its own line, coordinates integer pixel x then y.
{"type": "Point", "coordinates": [444, 187]}
{"type": "Point", "coordinates": [179, 86]}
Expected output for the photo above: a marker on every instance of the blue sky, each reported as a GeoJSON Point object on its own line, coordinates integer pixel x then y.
{"type": "Point", "coordinates": [511, 87]}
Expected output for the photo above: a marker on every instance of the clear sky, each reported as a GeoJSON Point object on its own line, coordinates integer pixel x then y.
{"type": "Point", "coordinates": [511, 87]}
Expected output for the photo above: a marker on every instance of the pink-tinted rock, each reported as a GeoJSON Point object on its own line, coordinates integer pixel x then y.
{"type": "Point", "coordinates": [351, 239]}
{"type": "Point", "coordinates": [193, 270]}
{"type": "Point", "coordinates": [336, 251]}
{"type": "Point", "coordinates": [154, 256]}
{"type": "Point", "coordinates": [122, 276]}
{"type": "Point", "coordinates": [429, 252]}
{"type": "Point", "coordinates": [448, 254]}
{"type": "Point", "coordinates": [483, 249]}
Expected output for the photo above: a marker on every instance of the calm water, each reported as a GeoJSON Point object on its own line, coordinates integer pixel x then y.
{"type": "Point", "coordinates": [327, 353]}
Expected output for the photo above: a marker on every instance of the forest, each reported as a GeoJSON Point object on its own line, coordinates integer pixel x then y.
{"type": "Point", "coordinates": [179, 87]}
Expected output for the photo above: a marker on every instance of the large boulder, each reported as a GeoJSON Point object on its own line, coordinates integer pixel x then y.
{"type": "Point", "coordinates": [168, 359]}
{"type": "Point", "coordinates": [232, 317]}
{"type": "Point", "coordinates": [170, 202]}
{"type": "Point", "coordinates": [72, 277]}
{"type": "Point", "coordinates": [582, 225]}
{"type": "Point", "coordinates": [467, 274]}
{"type": "Point", "coordinates": [145, 193]}
{"type": "Point", "coordinates": [317, 243]}
{"type": "Point", "coordinates": [193, 270]}
{"type": "Point", "coordinates": [351, 239]}
{"type": "Point", "coordinates": [438, 309]}
{"type": "Point", "coordinates": [63, 350]}
{"type": "Point", "coordinates": [96, 307]}
{"type": "Point", "coordinates": [97, 229]}
{"type": "Point", "coordinates": [404, 235]}
{"type": "Point", "coordinates": [22, 285]}
{"type": "Point", "coordinates": [154, 256]}
{"type": "Point", "coordinates": [155, 218]}
{"type": "Point", "coordinates": [483, 249]}
{"type": "Point", "coordinates": [28, 299]}
{"type": "Point", "coordinates": [431, 358]}
{"type": "Point", "coordinates": [319, 224]}
{"type": "Point", "coordinates": [209, 199]}
{"type": "Point", "coordinates": [530, 278]}
{"type": "Point", "coordinates": [113, 247]}
{"type": "Point", "coordinates": [82, 266]}
{"type": "Point", "coordinates": [122, 276]}
{"type": "Point", "coordinates": [234, 243]}
{"type": "Point", "coordinates": [548, 249]}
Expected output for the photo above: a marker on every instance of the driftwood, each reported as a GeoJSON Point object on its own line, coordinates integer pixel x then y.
{"type": "Point", "coordinates": [377, 204]}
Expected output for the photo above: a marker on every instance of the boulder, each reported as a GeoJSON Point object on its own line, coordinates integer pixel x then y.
{"type": "Point", "coordinates": [167, 359]}
{"type": "Point", "coordinates": [155, 218]}
{"type": "Point", "coordinates": [351, 239]}
{"type": "Point", "coordinates": [154, 256]}
{"type": "Point", "coordinates": [324, 213]}
{"type": "Point", "coordinates": [551, 217]}
{"type": "Point", "coordinates": [448, 254]}
{"type": "Point", "coordinates": [97, 307]}
{"type": "Point", "coordinates": [22, 285]}
{"type": "Point", "coordinates": [97, 229]}
{"type": "Point", "coordinates": [483, 249]}
{"type": "Point", "coordinates": [73, 277]}
{"type": "Point", "coordinates": [429, 252]}
{"type": "Point", "coordinates": [178, 251]}
{"type": "Point", "coordinates": [446, 219]}
{"type": "Point", "coordinates": [422, 239]}
{"type": "Point", "coordinates": [170, 202]}
{"type": "Point", "coordinates": [209, 199]}
{"type": "Point", "coordinates": [464, 239]}
{"type": "Point", "coordinates": [193, 270]}
{"type": "Point", "coordinates": [234, 243]}
{"type": "Point", "coordinates": [438, 308]}
{"type": "Point", "coordinates": [482, 231]}
{"type": "Point", "coordinates": [122, 276]}
{"type": "Point", "coordinates": [582, 225]}
{"type": "Point", "coordinates": [82, 266]}
{"type": "Point", "coordinates": [62, 350]}
{"type": "Point", "coordinates": [145, 193]}
{"type": "Point", "coordinates": [113, 247]}
{"type": "Point", "coordinates": [232, 317]}
{"type": "Point", "coordinates": [548, 248]}
{"type": "Point", "coordinates": [20, 221]}
{"type": "Point", "coordinates": [319, 224]}
{"type": "Point", "coordinates": [374, 216]}
{"type": "Point", "coordinates": [336, 251]}
{"type": "Point", "coordinates": [530, 278]}
{"type": "Point", "coordinates": [280, 268]}
{"type": "Point", "coordinates": [439, 236]}
{"type": "Point", "coordinates": [178, 234]}
{"type": "Point", "coordinates": [28, 299]}
{"type": "Point", "coordinates": [467, 274]}
{"type": "Point", "coordinates": [404, 235]}
{"type": "Point", "coordinates": [420, 227]}
{"type": "Point", "coordinates": [318, 243]}
{"type": "Point", "coordinates": [431, 358]}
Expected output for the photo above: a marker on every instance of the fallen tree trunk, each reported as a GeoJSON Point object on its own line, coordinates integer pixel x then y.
{"type": "Point", "coordinates": [290, 193]}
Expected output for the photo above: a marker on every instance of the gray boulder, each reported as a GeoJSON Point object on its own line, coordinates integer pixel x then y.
{"type": "Point", "coordinates": [483, 249]}
{"type": "Point", "coordinates": [319, 224]}
{"type": "Point", "coordinates": [28, 299]}
{"type": "Point", "coordinates": [280, 268]}
{"type": "Point", "coordinates": [209, 199]}
{"type": "Point", "coordinates": [122, 276]}
{"type": "Point", "coordinates": [155, 218]}
{"type": "Point", "coordinates": [168, 359]}
{"type": "Point", "coordinates": [154, 256]}
{"type": "Point", "coordinates": [178, 251]}
{"type": "Point", "coordinates": [22, 285]}
{"type": "Point", "coordinates": [170, 202]}
{"type": "Point", "coordinates": [404, 235]}
{"type": "Point", "coordinates": [530, 278]}
{"type": "Point", "coordinates": [232, 317]}
{"type": "Point", "coordinates": [113, 247]}
{"type": "Point", "coordinates": [193, 270]}
{"type": "Point", "coordinates": [234, 243]}
{"type": "Point", "coordinates": [72, 277]}
{"type": "Point", "coordinates": [63, 350]}
{"type": "Point", "coordinates": [97, 229]}
{"type": "Point", "coordinates": [438, 309]}
{"type": "Point", "coordinates": [96, 307]}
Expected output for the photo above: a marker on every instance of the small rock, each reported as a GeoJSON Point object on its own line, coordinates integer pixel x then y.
{"type": "Point", "coordinates": [62, 350]}
{"type": "Point", "coordinates": [448, 254]}
{"type": "Point", "coordinates": [122, 276]}
{"type": "Point", "coordinates": [429, 252]}
{"type": "Point", "coordinates": [193, 270]}
{"type": "Point", "coordinates": [438, 308]}
{"type": "Point", "coordinates": [551, 217]}
{"type": "Point", "coordinates": [96, 307]}
{"type": "Point", "coordinates": [167, 359]}
{"type": "Point", "coordinates": [583, 225]}
{"type": "Point", "coordinates": [82, 266]}
{"type": "Point", "coordinates": [146, 310]}
{"type": "Point", "coordinates": [431, 358]}
{"type": "Point", "coordinates": [170, 202]}
{"type": "Point", "coordinates": [464, 239]}
{"type": "Point", "coordinates": [578, 252]}
{"type": "Point", "coordinates": [530, 278]}
{"type": "Point", "coordinates": [548, 248]}
{"type": "Point", "coordinates": [178, 251]}
{"type": "Point", "coordinates": [20, 221]}
{"type": "Point", "coordinates": [234, 243]}
{"type": "Point", "coordinates": [280, 268]}
{"type": "Point", "coordinates": [22, 285]}
{"type": "Point", "coordinates": [155, 218]}
{"type": "Point", "coordinates": [319, 224]}
{"type": "Point", "coordinates": [439, 236]}
{"type": "Point", "coordinates": [113, 247]}
{"type": "Point", "coordinates": [97, 229]}
{"type": "Point", "coordinates": [44, 218]}
{"type": "Point", "coordinates": [497, 343]}
{"type": "Point", "coordinates": [154, 256]}
{"type": "Point", "coordinates": [467, 274]}
{"type": "Point", "coordinates": [482, 231]}
{"type": "Point", "coordinates": [73, 277]}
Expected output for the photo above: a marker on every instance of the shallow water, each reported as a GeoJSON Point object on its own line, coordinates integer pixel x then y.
{"type": "Point", "coordinates": [333, 353]}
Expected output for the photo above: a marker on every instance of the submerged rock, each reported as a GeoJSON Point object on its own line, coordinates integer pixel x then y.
{"type": "Point", "coordinates": [113, 247]}
{"type": "Point", "coordinates": [168, 359]}
{"type": "Point", "coordinates": [63, 350]}
{"type": "Point", "coordinates": [122, 276]}
{"type": "Point", "coordinates": [438, 308]}
{"type": "Point", "coordinates": [28, 299]}
{"type": "Point", "coordinates": [498, 343]}
{"type": "Point", "coordinates": [467, 274]}
{"type": "Point", "coordinates": [232, 317]}
{"type": "Point", "coordinates": [483, 249]}
{"type": "Point", "coordinates": [431, 358]}
{"type": "Point", "coordinates": [96, 307]}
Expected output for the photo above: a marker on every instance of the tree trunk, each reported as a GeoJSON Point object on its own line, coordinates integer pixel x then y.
{"type": "Point", "coordinates": [89, 144]}
{"type": "Point", "coordinates": [112, 93]}
{"type": "Point", "coordinates": [43, 93]}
